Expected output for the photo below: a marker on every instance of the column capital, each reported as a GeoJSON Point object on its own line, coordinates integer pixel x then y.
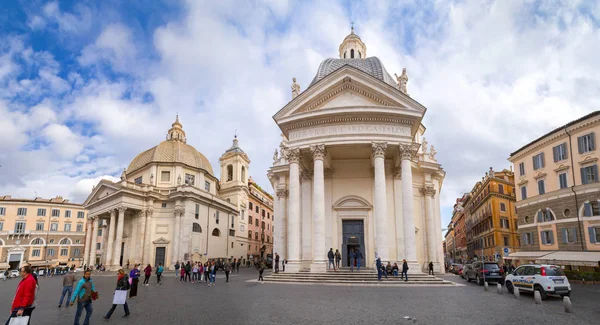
{"type": "Point", "coordinates": [397, 172]}
{"type": "Point", "coordinates": [293, 155]}
{"type": "Point", "coordinates": [113, 213]}
{"type": "Point", "coordinates": [149, 211]}
{"type": "Point", "coordinates": [379, 149]}
{"type": "Point", "coordinates": [121, 209]}
{"type": "Point", "coordinates": [428, 191]}
{"type": "Point", "coordinates": [141, 213]}
{"type": "Point", "coordinates": [179, 211]}
{"type": "Point", "coordinates": [305, 175]}
{"type": "Point", "coordinates": [318, 151]}
{"type": "Point", "coordinates": [409, 151]}
{"type": "Point", "coordinates": [282, 193]}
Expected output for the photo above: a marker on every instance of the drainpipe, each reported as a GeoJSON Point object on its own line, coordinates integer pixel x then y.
{"type": "Point", "coordinates": [575, 193]}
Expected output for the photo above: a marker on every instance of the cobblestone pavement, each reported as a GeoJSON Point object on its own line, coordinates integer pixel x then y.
{"type": "Point", "coordinates": [244, 302]}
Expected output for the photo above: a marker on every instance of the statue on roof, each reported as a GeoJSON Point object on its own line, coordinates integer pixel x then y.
{"type": "Point", "coordinates": [492, 173]}
{"type": "Point", "coordinates": [276, 156]}
{"type": "Point", "coordinates": [402, 81]}
{"type": "Point", "coordinates": [432, 153]}
{"type": "Point", "coordinates": [123, 175]}
{"type": "Point", "coordinates": [424, 145]}
{"type": "Point", "coordinates": [295, 88]}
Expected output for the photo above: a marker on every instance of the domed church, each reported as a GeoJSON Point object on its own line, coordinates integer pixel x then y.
{"type": "Point", "coordinates": [353, 171]}
{"type": "Point", "coordinates": [169, 207]}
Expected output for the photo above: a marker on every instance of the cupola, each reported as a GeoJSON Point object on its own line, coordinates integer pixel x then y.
{"type": "Point", "coordinates": [353, 47]}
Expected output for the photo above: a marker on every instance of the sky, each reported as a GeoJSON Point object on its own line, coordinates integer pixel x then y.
{"type": "Point", "coordinates": [87, 85]}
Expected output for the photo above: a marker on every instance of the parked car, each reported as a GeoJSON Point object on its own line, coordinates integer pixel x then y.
{"type": "Point", "coordinates": [14, 273]}
{"type": "Point", "coordinates": [491, 271]}
{"type": "Point", "coordinates": [464, 270]}
{"type": "Point", "coordinates": [545, 278]}
{"type": "Point", "coordinates": [455, 267]}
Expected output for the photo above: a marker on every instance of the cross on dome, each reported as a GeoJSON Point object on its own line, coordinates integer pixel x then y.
{"type": "Point", "coordinates": [176, 132]}
{"type": "Point", "coordinates": [353, 47]}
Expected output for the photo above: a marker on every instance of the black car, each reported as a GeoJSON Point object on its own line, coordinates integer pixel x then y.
{"type": "Point", "coordinates": [491, 271]}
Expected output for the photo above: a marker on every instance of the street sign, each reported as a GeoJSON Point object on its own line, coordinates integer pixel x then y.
{"type": "Point", "coordinates": [506, 250]}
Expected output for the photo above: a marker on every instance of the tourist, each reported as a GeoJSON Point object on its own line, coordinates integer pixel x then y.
{"type": "Point", "coordinates": [68, 282]}
{"type": "Point", "coordinates": [188, 271]}
{"type": "Point", "coordinates": [84, 292]}
{"type": "Point", "coordinates": [276, 263]}
{"type": "Point", "coordinates": [404, 271]}
{"type": "Point", "coordinates": [378, 266]}
{"type": "Point", "coordinates": [206, 271]}
{"type": "Point", "coordinates": [352, 257]}
{"type": "Point", "coordinates": [147, 274]}
{"type": "Point", "coordinates": [237, 267]}
{"type": "Point", "coordinates": [284, 262]}
{"type": "Point", "coordinates": [134, 274]}
{"type": "Point", "coordinates": [395, 270]}
{"type": "Point", "coordinates": [182, 274]}
{"type": "Point", "coordinates": [359, 258]}
{"type": "Point", "coordinates": [24, 302]}
{"type": "Point", "coordinates": [159, 271]}
{"type": "Point", "coordinates": [227, 269]}
{"type": "Point", "coordinates": [177, 269]}
{"type": "Point", "coordinates": [330, 256]}
{"type": "Point", "coordinates": [122, 285]}
{"type": "Point", "coordinates": [388, 269]}
{"type": "Point", "coordinates": [128, 264]}
{"type": "Point", "coordinates": [200, 272]}
{"type": "Point", "coordinates": [211, 274]}
{"type": "Point", "coordinates": [338, 258]}
{"type": "Point", "coordinates": [261, 269]}
{"type": "Point", "coordinates": [431, 268]}
{"type": "Point", "coordinates": [195, 273]}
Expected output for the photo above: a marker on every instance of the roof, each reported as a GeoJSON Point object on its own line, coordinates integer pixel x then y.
{"type": "Point", "coordinates": [171, 152]}
{"type": "Point", "coordinates": [556, 130]}
{"type": "Point", "coordinates": [55, 200]}
{"type": "Point", "coordinates": [235, 146]}
{"type": "Point", "coordinates": [370, 65]}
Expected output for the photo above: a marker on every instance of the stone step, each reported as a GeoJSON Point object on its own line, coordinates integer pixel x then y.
{"type": "Point", "coordinates": [373, 282]}
{"type": "Point", "coordinates": [352, 280]}
{"type": "Point", "coordinates": [342, 275]}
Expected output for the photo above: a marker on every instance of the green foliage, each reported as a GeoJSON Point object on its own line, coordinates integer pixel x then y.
{"type": "Point", "coordinates": [585, 276]}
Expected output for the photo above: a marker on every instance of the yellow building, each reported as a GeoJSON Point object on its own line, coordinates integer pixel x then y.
{"type": "Point", "coordinates": [42, 232]}
{"type": "Point", "coordinates": [492, 222]}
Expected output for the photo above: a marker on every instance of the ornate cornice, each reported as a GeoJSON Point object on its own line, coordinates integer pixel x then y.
{"type": "Point", "coordinates": [588, 160]}
{"type": "Point", "coordinates": [428, 191]}
{"type": "Point", "coordinates": [561, 168]}
{"type": "Point", "coordinates": [409, 151]}
{"type": "Point", "coordinates": [121, 209]}
{"type": "Point", "coordinates": [540, 175]}
{"type": "Point", "coordinates": [318, 151]}
{"type": "Point", "coordinates": [293, 155]}
{"type": "Point", "coordinates": [343, 120]}
{"type": "Point", "coordinates": [379, 149]}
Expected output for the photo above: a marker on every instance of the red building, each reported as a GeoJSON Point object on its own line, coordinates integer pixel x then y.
{"type": "Point", "coordinates": [260, 221]}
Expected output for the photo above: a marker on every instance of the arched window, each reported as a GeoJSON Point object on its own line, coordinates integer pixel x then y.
{"type": "Point", "coordinates": [256, 235]}
{"type": "Point", "coordinates": [359, 55]}
{"type": "Point", "coordinates": [545, 215]}
{"type": "Point", "coordinates": [243, 174]}
{"type": "Point", "coordinates": [196, 227]}
{"type": "Point", "coordinates": [65, 241]}
{"type": "Point", "coordinates": [216, 232]}
{"type": "Point", "coordinates": [352, 54]}
{"type": "Point", "coordinates": [250, 234]}
{"type": "Point", "coordinates": [229, 173]}
{"type": "Point", "coordinates": [37, 241]}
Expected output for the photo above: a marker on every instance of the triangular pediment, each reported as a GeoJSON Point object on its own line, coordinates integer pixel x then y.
{"type": "Point", "coordinates": [161, 241]}
{"type": "Point", "coordinates": [103, 189]}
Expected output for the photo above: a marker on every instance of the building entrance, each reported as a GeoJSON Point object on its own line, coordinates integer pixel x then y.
{"type": "Point", "coordinates": [353, 238]}
{"type": "Point", "coordinates": [159, 256]}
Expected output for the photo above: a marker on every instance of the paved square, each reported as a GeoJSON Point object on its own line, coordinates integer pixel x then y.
{"type": "Point", "coordinates": [243, 302]}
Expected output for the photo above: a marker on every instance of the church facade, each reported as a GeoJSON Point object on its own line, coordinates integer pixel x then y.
{"type": "Point", "coordinates": [353, 171]}
{"type": "Point", "coordinates": [169, 207]}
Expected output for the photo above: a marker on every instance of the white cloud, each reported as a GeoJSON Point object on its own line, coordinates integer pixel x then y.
{"type": "Point", "coordinates": [62, 141]}
{"type": "Point", "coordinates": [114, 46]}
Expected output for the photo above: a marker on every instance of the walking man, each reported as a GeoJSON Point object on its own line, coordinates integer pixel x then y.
{"type": "Point", "coordinates": [188, 271]}
{"type": "Point", "coordinates": [284, 262]}
{"type": "Point", "coordinates": [227, 268]}
{"type": "Point", "coordinates": [237, 266]}
{"type": "Point", "coordinates": [22, 304]}
{"type": "Point", "coordinates": [330, 256]}
{"type": "Point", "coordinates": [338, 258]}
{"type": "Point", "coordinates": [430, 268]}
{"type": "Point", "coordinates": [404, 271]}
{"type": "Point", "coordinates": [352, 257]}
{"type": "Point", "coordinates": [159, 272]}
{"type": "Point", "coordinates": [261, 269]}
{"type": "Point", "coordinates": [378, 266]}
{"type": "Point", "coordinates": [276, 263]}
{"type": "Point", "coordinates": [83, 293]}
{"type": "Point", "coordinates": [359, 258]}
{"type": "Point", "coordinates": [68, 281]}
{"type": "Point", "coordinates": [177, 269]}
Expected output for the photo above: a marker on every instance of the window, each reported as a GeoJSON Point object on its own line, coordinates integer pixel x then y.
{"type": "Point", "coordinates": [250, 234]}
{"type": "Point", "coordinates": [523, 192]}
{"type": "Point", "coordinates": [268, 215]}
{"type": "Point", "coordinates": [99, 232]}
{"type": "Point", "coordinates": [229, 173]}
{"type": "Point", "coordinates": [64, 251]}
{"type": "Point", "coordinates": [589, 174]}
{"type": "Point", "coordinates": [21, 211]}
{"type": "Point", "coordinates": [78, 241]}
{"type": "Point", "coordinates": [76, 252]}
{"type": "Point", "coordinates": [35, 252]}
{"type": "Point", "coordinates": [165, 176]}
{"type": "Point", "coordinates": [39, 226]}
{"type": "Point", "coordinates": [268, 227]}
{"type": "Point", "coordinates": [232, 222]}
{"type": "Point", "coordinates": [217, 217]}
{"type": "Point", "coordinates": [546, 237]}
{"type": "Point", "coordinates": [231, 232]}
{"type": "Point", "coordinates": [19, 227]}
{"type": "Point", "coordinates": [501, 188]}
{"type": "Point", "coordinates": [256, 235]}
{"type": "Point", "coordinates": [502, 207]}
{"type": "Point", "coordinates": [538, 161]}
{"type": "Point", "coordinates": [54, 226]}
{"type": "Point", "coordinates": [55, 213]}
{"type": "Point", "coordinates": [80, 214]}
{"type": "Point", "coordinates": [268, 239]}
{"type": "Point", "coordinates": [67, 227]}
{"type": "Point", "coordinates": [64, 241]}
{"type": "Point", "coordinates": [197, 212]}
{"type": "Point", "coordinates": [562, 180]}
{"type": "Point", "coordinates": [216, 232]}
{"type": "Point", "coordinates": [586, 143]}
{"type": "Point", "coordinates": [256, 222]}
{"type": "Point", "coordinates": [37, 241]}
{"type": "Point", "coordinates": [544, 215]}
{"type": "Point", "coordinates": [250, 206]}
{"type": "Point", "coordinates": [190, 179]}
{"type": "Point", "coordinates": [506, 241]}
{"type": "Point", "coordinates": [68, 214]}
{"type": "Point", "coordinates": [504, 223]}
{"type": "Point", "coordinates": [594, 233]}
{"type": "Point", "coordinates": [2, 211]}
{"type": "Point", "coordinates": [242, 228]}
{"type": "Point", "coordinates": [569, 235]}
{"type": "Point", "coordinates": [1, 225]}
{"type": "Point", "coordinates": [263, 225]}
{"type": "Point", "coordinates": [163, 205]}
{"type": "Point", "coordinates": [51, 241]}
{"type": "Point", "coordinates": [257, 209]}
{"type": "Point", "coordinates": [50, 252]}
{"type": "Point", "coordinates": [263, 213]}
{"type": "Point", "coordinates": [560, 152]}
{"type": "Point", "coordinates": [541, 187]}
{"type": "Point", "coordinates": [242, 214]}
{"type": "Point", "coordinates": [41, 213]}
{"type": "Point", "coordinates": [243, 174]}
{"type": "Point", "coordinates": [528, 238]}
{"type": "Point", "coordinates": [98, 246]}
{"type": "Point", "coordinates": [79, 228]}
{"type": "Point", "coordinates": [196, 227]}
{"type": "Point", "coordinates": [352, 54]}
{"type": "Point", "coordinates": [522, 169]}
{"type": "Point", "coordinates": [138, 180]}
{"type": "Point", "coordinates": [250, 220]}
{"type": "Point", "coordinates": [207, 186]}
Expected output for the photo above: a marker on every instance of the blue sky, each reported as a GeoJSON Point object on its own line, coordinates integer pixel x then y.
{"type": "Point", "coordinates": [86, 85]}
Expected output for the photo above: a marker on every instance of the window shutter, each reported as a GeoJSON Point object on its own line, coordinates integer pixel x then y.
{"type": "Point", "coordinates": [524, 239]}
{"type": "Point", "coordinates": [587, 209]}
{"type": "Point", "coordinates": [540, 216]}
{"type": "Point", "coordinates": [565, 153]}
{"type": "Point", "coordinates": [583, 178]}
{"type": "Point", "coordinates": [551, 237]}
{"type": "Point", "coordinates": [580, 144]}
{"type": "Point", "coordinates": [565, 234]}
{"type": "Point", "coordinates": [542, 237]}
{"type": "Point", "coordinates": [593, 141]}
{"type": "Point", "coordinates": [574, 232]}
{"type": "Point", "coordinates": [595, 171]}
{"type": "Point", "coordinates": [555, 153]}
{"type": "Point", "coordinates": [543, 161]}
{"type": "Point", "coordinates": [592, 233]}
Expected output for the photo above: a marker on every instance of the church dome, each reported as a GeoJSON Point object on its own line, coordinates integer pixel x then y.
{"type": "Point", "coordinates": [371, 66]}
{"type": "Point", "coordinates": [173, 150]}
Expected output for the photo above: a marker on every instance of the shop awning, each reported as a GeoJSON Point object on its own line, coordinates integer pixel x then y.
{"type": "Point", "coordinates": [42, 263]}
{"type": "Point", "coordinates": [571, 258]}
{"type": "Point", "coordinates": [532, 255]}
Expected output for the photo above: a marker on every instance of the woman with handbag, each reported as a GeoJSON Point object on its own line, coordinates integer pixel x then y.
{"type": "Point", "coordinates": [85, 293]}
{"type": "Point", "coordinates": [134, 274]}
{"type": "Point", "coordinates": [120, 295]}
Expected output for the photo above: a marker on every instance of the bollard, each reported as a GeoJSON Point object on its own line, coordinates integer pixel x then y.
{"type": "Point", "coordinates": [486, 287]}
{"type": "Point", "coordinates": [516, 291]}
{"type": "Point", "coordinates": [499, 288]}
{"type": "Point", "coordinates": [567, 304]}
{"type": "Point", "coordinates": [537, 297]}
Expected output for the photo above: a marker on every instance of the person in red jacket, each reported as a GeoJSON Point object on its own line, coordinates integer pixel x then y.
{"type": "Point", "coordinates": [22, 304]}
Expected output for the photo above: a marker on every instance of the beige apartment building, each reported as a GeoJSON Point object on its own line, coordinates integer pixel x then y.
{"type": "Point", "coordinates": [558, 196]}
{"type": "Point", "coordinates": [260, 222]}
{"type": "Point", "coordinates": [42, 232]}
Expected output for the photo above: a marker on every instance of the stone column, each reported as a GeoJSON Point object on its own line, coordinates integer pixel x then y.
{"type": "Point", "coordinates": [147, 240]}
{"type": "Point", "coordinates": [134, 255]}
{"type": "Point", "coordinates": [407, 153]}
{"type": "Point", "coordinates": [400, 252]}
{"type": "Point", "coordinates": [318, 209]}
{"type": "Point", "coordinates": [95, 221]}
{"type": "Point", "coordinates": [119, 237]}
{"type": "Point", "coordinates": [293, 224]}
{"type": "Point", "coordinates": [380, 201]}
{"type": "Point", "coordinates": [88, 242]}
{"type": "Point", "coordinates": [280, 224]}
{"type": "Point", "coordinates": [110, 247]}
{"type": "Point", "coordinates": [176, 234]}
{"type": "Point", "coordinates": [429, 193]}
{"type": "Point", "coordinates": [306, 219]}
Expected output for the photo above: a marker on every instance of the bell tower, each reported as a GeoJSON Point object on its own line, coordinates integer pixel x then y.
{"type": "Point", "coordinates": [234, 172]}
{"type": "Point", "coordinates": [352, 47]}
